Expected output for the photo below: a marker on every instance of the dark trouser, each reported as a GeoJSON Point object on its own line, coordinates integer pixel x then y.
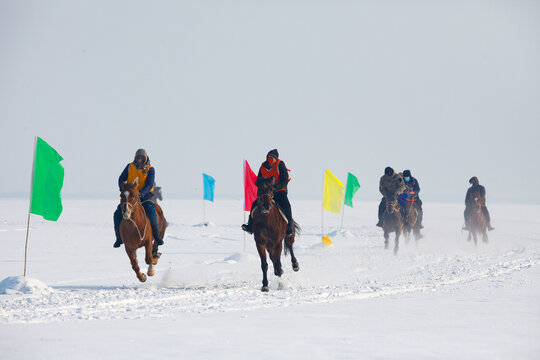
{"type": "Point", "coordinates": [468, 210]}
{"type": "Point", "coordinates": [283, 201]}
{"type": "Point", "coordinates": [149, 208]}
{"type": "Point", "coordinates": [418, 204]}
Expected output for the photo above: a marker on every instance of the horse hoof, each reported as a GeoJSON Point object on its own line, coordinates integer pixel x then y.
{"type": "Point", "coordinates": [296, 267]}
{"type": "Point", "coordinates": [265, 289]}
{"type": "Point", "coordinates": [151, 271]}
{"type": "Point", "coordinates": [142, 278]}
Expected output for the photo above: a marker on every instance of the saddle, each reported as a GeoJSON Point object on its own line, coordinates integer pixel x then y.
{"type": "Point", "coordinates": [281, 212]}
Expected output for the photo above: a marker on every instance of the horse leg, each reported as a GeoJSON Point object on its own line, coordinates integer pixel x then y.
{"type": "Point", "coordinates": [294, 262]}
{"type": "Point", "coordinates": [484, 236]}
{"type": "Point", "coordinates": [132, 255]}
{"type": "Point", "coordinates": [474, 235]}
{"type": "Point", "coordinates": [149, 259]}
{"type": "Point", "coordinates": [386, 236]}
{"type": "Point", "coordinates": [261, 248]}
{"type": "Point", "coordinates": [275, 256]}
{"type": "Point", "coordinates": [396, 246]}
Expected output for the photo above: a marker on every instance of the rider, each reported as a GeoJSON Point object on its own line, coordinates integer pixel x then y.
{"type": "Point", "coordinates": [391, 185]}
{"type": "Point", "coordinates": [141, 170]}
{"type": "Point", "coordinates": [476, 190]}
{"type": "Point", "coordinates": [414, 187]}
{"type": "Point", "coordinates": [274, 168]}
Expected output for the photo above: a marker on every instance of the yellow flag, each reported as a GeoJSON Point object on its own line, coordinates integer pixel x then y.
{"type": "Point", "coordinates": [326, 240]}
{"type": "Point", "coordinates": [333, 193]}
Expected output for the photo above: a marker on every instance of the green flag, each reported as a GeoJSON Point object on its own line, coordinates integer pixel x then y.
{"type": "Point", "coordinates": [47, 182]}
{"type": "Point", "coordinates": [352, 188]}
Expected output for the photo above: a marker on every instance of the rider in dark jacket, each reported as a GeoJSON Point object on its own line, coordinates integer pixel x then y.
{"type": "Point", "coordinates": [141, 170]}
{"type": "Point", "coordinates": [274, 168]}
{"type": "Point", "coordinates": [391, 185]}
{"type": "Point", "coordinates": [476, 190]}
{"type": "Point", "coordinates": [413, 188]}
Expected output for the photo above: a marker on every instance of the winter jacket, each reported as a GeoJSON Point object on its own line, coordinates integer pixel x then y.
{"type": "Point", "coordinates": [391, 186]}
{"type": "Point", "coordinates": [472, 192]}
{"type": "Point", "coordinates": [145, 177]}
{"type": "Point", "coordinates": [412, 186]}
{"type": "Point", "coordinates": [280, 168]}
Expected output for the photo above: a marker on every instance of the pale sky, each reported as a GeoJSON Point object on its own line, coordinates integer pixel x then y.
{"type": "Point", "coordinates": [447, 89]}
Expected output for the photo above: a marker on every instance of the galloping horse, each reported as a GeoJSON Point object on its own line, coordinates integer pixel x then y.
{"type": "Point", "coordinates": [136, 231]}
{"type": "Point", "coordinates": [477, 221]}
{"type": "Point", "coordinates": [269, 230]}
{"type": "Point", "coordinates": [411, 217]}
{"type": "Point", "coordinates": [392, 222]}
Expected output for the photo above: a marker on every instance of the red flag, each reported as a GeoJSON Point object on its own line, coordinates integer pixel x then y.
{"type": "Point", "coordinates": [250, 190]}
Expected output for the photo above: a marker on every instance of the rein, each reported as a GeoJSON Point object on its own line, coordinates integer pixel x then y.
{"type": "Point", "coordinates": [141, 237]}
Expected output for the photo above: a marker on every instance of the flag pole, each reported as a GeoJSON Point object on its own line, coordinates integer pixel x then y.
{"type": "Point", "coordinates": [30, 205]}
{"type": "Point", "coordinates": [342, 215]}
{"type": "Point", "coordinates": [322, 210]}
{"type": "Point", "coordinates": [244, 201]}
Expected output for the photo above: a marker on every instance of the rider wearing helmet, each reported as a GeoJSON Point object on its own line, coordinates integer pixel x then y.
{"type": "Point", "coordinates": [141, 170]}
{"type": "Point", "coordinates": [391, 185]}
{"type": "Point", "coordinates": [413, 188]}
{"type": "Point", "coordinates": [476, 190]}
{"type": "Point", "coordinates": [274, 168]}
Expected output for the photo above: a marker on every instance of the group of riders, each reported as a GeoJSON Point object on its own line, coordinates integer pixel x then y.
{"type": "Point", "coordinates": [400, 187]}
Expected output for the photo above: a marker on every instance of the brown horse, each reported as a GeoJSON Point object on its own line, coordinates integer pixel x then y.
{"type": "Point", "coordinates": [476, 221]}
{"type": "Point", "coordinates": [410, 218]}
{"type": "Point", "coordinates": [136, 231]}
{"type": "Point", "coordinates": [392, 222]}
{"type": "Point", "coordinates": [269, 230]}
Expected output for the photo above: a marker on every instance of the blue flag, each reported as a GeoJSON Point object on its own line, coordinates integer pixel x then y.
{"type": "Point", "coordinates": [209, 185]}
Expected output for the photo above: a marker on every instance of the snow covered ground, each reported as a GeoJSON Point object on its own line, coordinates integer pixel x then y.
{"type": "Point", "coordinates": [440, 298]}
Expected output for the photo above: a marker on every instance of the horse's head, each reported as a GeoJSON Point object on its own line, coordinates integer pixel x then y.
{"type": "Point", "coordinates": [392, 206]}
{"type": "Point", "coordinates": [265, 196]}
{"type": "Point", "coordinates": [129, 196]}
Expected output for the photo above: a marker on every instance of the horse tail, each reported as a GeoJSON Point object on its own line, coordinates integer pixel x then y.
{"type": "Point", "coordinates": [297, 230]}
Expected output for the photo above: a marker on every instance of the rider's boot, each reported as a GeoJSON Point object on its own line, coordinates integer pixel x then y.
{"type": "Point", "coordinates": [490, 227]}
{"type": "Point", "coordinates": [379, 224]}
{"type": "Point", "coordinates": [118, 241]}
{"type": "Point", "coordinates": [157, 238]}
{"type": "Point", "coordinates": [249, 226]}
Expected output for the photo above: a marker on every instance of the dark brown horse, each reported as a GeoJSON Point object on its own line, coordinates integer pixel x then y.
{"type": "Point", "coordinates": [477, 221]}
{"type": "Point", "coordinates": [136, 231]}
{"type": "Point", "coordinates": [269, 230]}
{"type": "Point", "coordinates": [392, 222]}
{"type": "Point", "coordinates": [411, 218]}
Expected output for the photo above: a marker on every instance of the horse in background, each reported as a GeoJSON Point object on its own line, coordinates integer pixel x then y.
{"type": "Point", "coordinates": [411, 217]}
{"type": "Point", "coordinates": [136, 231]}
{"type": "Point", "coordinates": [269, 230]}
{"type": "Point", "coordinates": [476, 223]}
{"type": "Point", "coordinates": [392, 222]}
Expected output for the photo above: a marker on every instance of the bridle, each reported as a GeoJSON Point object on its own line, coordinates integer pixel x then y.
{"type": "Point", "coordinates": [127, 216]}
{"type": "Point", "coordinates": [270, 197]}
{"type": "Point", "coordinates": [391, 205]}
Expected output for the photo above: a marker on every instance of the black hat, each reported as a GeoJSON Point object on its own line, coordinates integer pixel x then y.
{"type": "Point", "coordinates": [473, 180]}
{"type": "Point", "coordinates": [388, 171]}
{"type": "Point", "coordinates": [273, 153]}
{"type": "Point", "coordinates": [407, 173]}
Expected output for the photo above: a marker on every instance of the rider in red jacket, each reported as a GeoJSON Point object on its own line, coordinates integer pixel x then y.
{"type": "Point", "coordinates": [274, 168]}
